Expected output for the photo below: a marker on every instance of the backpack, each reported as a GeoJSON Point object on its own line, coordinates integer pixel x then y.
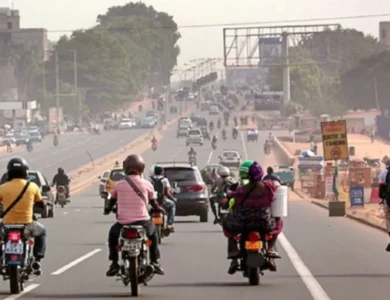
{"type": "Point", "coordinates": [159, 189]}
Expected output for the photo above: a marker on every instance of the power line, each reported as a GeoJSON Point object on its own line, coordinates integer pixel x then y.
{"type": "Point", "coordinates": [210, 25]}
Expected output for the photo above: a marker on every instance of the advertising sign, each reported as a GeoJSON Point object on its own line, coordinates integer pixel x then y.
{"type": "Point", "coordinates": [334, 140]}
{"type": "Point", "coordinates": [356, 195]}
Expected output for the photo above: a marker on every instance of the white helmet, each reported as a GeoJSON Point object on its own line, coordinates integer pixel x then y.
{"type": "Point", "coordinates": [151, 173]}
{"type": "Point", "coordinates": [223, 171]}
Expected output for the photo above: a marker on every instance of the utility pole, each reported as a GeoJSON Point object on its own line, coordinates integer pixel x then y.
{"type": "Point", "coordinates": [57, 90]}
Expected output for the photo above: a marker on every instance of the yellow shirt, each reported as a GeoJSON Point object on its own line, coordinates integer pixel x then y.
{"type": "Point", "coordinates": [22, 212]}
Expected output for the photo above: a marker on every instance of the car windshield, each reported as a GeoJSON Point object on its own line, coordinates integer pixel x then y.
{"type": "Point", "coordinates": [117, 175]}
{"type": "Point", "coordinates": [180, 174]}
{"type": "Point", "coordinates": [230, 154]}
{"type": "Point", "coordinates": [33, 177]}
{"type": "Point", "coordinates": [194, 132]}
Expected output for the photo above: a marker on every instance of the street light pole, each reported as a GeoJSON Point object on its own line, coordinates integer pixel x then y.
{"type": "Point", "coordinates": [57, 90]}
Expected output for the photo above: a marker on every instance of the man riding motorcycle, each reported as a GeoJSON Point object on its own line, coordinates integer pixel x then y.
{"type": "Point", "coordinates": [251, 211]}
{"type": "Point", "coordinates": [132, 210]}
{"type": "Point", "coordinates": [271, 138]}
{"type": "Point", "coordinates": [29, 145]}
{"type": "Point", "coordinates": [220, 186]}
{"type": "Point", "coordinates": [23, 212]}
{"type": "Point", "coordinates": [154, 142]}
{"type": "Point", "coordinates": [191, 153]}
{"type": "Point", "coordinates": [55, 140]}
{"type": "Point", "coordinates": [234, 132]}
{"type": "Point", "coordinates": [224, 133]}
{"type": "Point", "coordinates": [219, 123]}
{"type": "Point", "coordinates": [61, 178]}
{"type": "Point", "coordinates": [164, 194]}
{"type": "Point", "coordinates": [214, 142]}
{"type": "Point", "coordinates": [211, 125]}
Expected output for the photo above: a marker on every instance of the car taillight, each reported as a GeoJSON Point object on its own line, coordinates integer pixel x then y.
{"type": "Point", "coordinates": [130, 234]}
{"type": "Point", "coordinates": [14, 236]}
{"type": "Point", "coordinates": [61, 190]}
{"type": "Point", "coordinates": [194, 188]}
{"type": "Point", "coordinates": [253, 236]}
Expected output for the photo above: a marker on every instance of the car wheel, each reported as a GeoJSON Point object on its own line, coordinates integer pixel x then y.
{"type": "Point", "coordinates": [51, 212]}
{"type": "Point", "coordinates": [204, 217]}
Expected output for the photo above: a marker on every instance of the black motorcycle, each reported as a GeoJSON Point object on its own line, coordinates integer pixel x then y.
{"type": "Point", "coordinates": [235, 134]}
{"type": "Point", "coordinates": [214, 145]}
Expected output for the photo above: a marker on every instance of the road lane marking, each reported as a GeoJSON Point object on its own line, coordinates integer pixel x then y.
{"type": "Point", "coordinates": [315, 289]}
{"type": "Point", "coordinates": [27, 289]}
{"type": "Point", "coordinates": [76, 262]}
{"type": "Point", "coordinates": [244, 145]}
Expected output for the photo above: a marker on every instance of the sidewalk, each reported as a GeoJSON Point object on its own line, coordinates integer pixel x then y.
{"type": "Point", "coordinates": [371, 214]}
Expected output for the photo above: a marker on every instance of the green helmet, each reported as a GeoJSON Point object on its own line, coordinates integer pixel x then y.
{"type": "Point", "coordinates": [152, 169]}
{"type": "Point", "coordinates": [244, 168]}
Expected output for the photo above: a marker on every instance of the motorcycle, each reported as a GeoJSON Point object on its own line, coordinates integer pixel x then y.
{"type": "Point", "coordinates": [211, 126]}
{"type": "Point", "coordinates": [214, 146]}
{"type": "Point", "coordinates": [192, 160]}
{"type": "Point", "coordinates": [159, 220]}
{"type": "Point", "coordinates": [372, 162]}
{"type": "Point", "coordinates": [267, 148]}
{"type": "Point", "coordinates": [219, 124]}
{"type": "Point", "coordinates": [55, 142]}
{"type": "Point", "coordinates": [29, 147]}
{"type": "Point", "coordinates": [254, 258]}
{"type": "Point", "coordinates": [17, 259]}
{"type": "Point", "coordinates": [61, 198]}
{"type": "Point", "coordinates": [235, 134]}
{"type": "Point", "coordinates": [154, 146]}
{"type": "Point", "coordinates": [224, 137]}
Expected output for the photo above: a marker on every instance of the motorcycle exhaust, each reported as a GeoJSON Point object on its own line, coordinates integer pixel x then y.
{"type": "Point", "coordinates": [36, 267]}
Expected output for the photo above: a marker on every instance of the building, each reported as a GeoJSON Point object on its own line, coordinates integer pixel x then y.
{"type": "Point", "coordinates": [384, 33]}
{"type": "Point", "coordinates": [11, 33]}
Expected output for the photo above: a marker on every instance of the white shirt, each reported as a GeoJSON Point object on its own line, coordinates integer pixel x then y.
{"type": "Point", "coordinates": [382, 176]}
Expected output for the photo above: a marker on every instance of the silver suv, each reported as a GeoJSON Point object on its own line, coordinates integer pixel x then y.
{"type": "Point", "coordinates": [195, 137]}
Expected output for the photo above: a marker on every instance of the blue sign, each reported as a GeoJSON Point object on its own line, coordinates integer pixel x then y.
{"type": "Point", "coordinates": [356, 195]}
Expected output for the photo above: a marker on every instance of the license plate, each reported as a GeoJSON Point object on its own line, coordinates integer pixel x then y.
{"type": "Point", "coordinates": [11, 248]}
{"type": "Point", "coordinates": [253, 245]}
{"type": "Point", "coordinates": [157, 221]}
{"type": "Point", "coordinates": [132, 245]}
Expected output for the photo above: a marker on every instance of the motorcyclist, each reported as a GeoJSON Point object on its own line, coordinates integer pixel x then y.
{"type": "Point", "coordinates": [271, 176]}
{"type": "Point", "coordinates": [224, 133]}
{"type": "Point", "coordinates": [23, 214]}
{"type": "Point", "coordinates": [29, 145]}
{"type": "Point", "coordinates": [132, 209]}
{"type": "Point", "coordinates": [61, 178]}
{"type": "Point", "coordinates": [211, 125]}
{"type": "Point", "coordinates": [252, 210]}
{"type": "Point", "coordinates": [271, 138]}
{"type": "Point", "coordinates": [8, 145]}
{"type": "Point", "coordinates": [384, 194]}
{"type": "Point", "coordinates": [220, 185]}
{"type": "Point", "coordinates": [164, 196]}
{"type": "Point", "coordinates": [234, 132]}
{"type": "Point", "coordinates": [192, 152]}
{"type": "Point", "coordinates": [55, 140]}
{"type": "Point", "coordinates": [235, 121]}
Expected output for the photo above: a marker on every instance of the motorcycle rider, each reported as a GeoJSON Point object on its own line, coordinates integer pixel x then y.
{"type": "Point", "coordinates": [211, 125]}
{"type": "Point", "coordinates": [220, 185]}
{"type": "Point", "coordinates": [23, 212]}
{"type": "Point", "coordinates": [154, 142]}
{"type": "Point", "coordinates": [224, 133]}
{"type": "Point", "coordinates": [61, 178]}
{"type": "Point", "coordinates": [234, 132]}
{"type": "Point", "coordinates": [164, 193]}
{"type": "Point", "coordinates": [29, 145]}
{"type": "Point", "coordinates": [8, 145]}
{"type": "Point", "coordinates": [271, 176]}
{"type": "Point", "coordinates": [55, 140]}
{"type": "Point", "coordinates": [191, 153]}
{"type": "Point", "coordinates": [252, 210]}
{"type": "Point", "coordinates": [132, 210]}
{"type": "Point", "coordinates": [271, 138]}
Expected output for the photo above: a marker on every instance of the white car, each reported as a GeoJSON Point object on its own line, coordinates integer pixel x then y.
{"type": "Point", "coordinates": [230, 158]}
{"type": "Point", "coordinates": [103, 180]}
{"type": "Point", "coordinates": [185, 123]}
{"type": "Point", "coordinates": [195, 137]}
{"type": "Point", "coordinates": [127, 123]}
{"type": "Point", "coordinates": [214, 110]}
{"type": "Point", "coordinates": [182, 131]}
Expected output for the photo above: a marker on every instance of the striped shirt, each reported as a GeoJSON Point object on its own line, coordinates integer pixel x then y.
{"type": "Point", "coordinates": [131, 208]}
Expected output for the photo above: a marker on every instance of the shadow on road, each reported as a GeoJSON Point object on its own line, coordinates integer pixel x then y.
{"type": "Point", "coordinates": [201, 284]}
{"type": "Point", "coordinates": [186, 221]}
{"type": "Point", "coordinates": [81, 296]}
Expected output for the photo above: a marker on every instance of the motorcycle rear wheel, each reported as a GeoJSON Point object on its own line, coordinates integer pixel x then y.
{"type": "Point", "coordinates": [253, 276]}
{"type": "Point", "coordinates": [134, 276]}
{"type": "Point", "coordinates": [14, 285]}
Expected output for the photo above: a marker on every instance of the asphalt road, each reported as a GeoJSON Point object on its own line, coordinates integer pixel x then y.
{"type": "Point", "coordinates": [323, 258]}
{"type": "Point", "coordinates": [73, 150]}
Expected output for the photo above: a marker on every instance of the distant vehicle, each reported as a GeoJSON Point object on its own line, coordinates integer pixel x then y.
{"type": "Point", "coordinates": [22, 139]}
{"type": "Point", "coordinates": [127, 123]}
{"type": "Point", "coordinates": [10, 137]}
{"type": "Point", "coordinates": [195, 137]}
{"type": "Point", "coordinates": [182, 131]}
{"type": "Point", "coordinates": [205, 106]}
{"type": "Point", "coordinates": [148, 122]}
{"type": "Point", "coordinates": [214, 110]}
{"type": "Point", "coordinates": [108, 124]}
{"type": "Point", "coordinates": [188, 188]}
{"type": "Point", "coordinates": [252, 135]}
{"type": "Point", "coordinates": [152, 113]}
{"type": "Point", "coordinates": [103, 180]}
{"type": "Point", "coordinates": [230, 158]}
{"type": "Point", "coordinates": [185, 123]}
{"type": "Point", "coordinates": [205, 132]}
{"type": "Point", "coordinates": [190, 97]}
{"type": "Point", "coordinates": [35, 136]}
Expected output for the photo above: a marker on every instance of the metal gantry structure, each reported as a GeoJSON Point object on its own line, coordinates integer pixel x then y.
{"type": "Point", "coordinates": [242, 46]}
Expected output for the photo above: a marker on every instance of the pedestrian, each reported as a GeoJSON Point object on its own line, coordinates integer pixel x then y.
{"type": "Point", "coordinates": [384, 193]}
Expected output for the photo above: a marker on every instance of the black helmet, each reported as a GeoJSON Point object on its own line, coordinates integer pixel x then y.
{"type": "Point", "coordinates": [134, 165]}
{"type": "Point", "coordinates": [60, 170]}
{"type": "Point", "coordinates": [17, 163]}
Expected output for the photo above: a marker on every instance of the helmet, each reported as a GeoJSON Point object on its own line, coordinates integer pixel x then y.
{"type": "Point", "coordinates": [17, 164]}
{"type": "Point", "coordinates": [251, 170]}
{"type": "Point", "coordinates": [386, 160]}
{"type": "Point", "coordinates": [134, 165]}
{"type": "Point", "coordinates": [152, 168]}
{"type": "Point", "coordinates": [223, 171]}
{"type": "Point", "coordinates": [60, 170]}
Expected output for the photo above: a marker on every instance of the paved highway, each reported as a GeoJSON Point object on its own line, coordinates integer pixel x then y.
{"type": "Point", "coordinates": [73, 149]}
{"type": "Point", "coordinates": [323, 258]}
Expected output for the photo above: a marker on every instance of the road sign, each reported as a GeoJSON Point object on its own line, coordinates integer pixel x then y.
{"type": "Point", "coordinates": [356, 195]}
{"type": "Point", "coordinates": [334, 140]}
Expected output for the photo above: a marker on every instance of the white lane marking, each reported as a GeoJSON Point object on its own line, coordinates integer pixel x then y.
{"type": "Point", "coordinates": [315, 289]}
{"type": "Point", "coordinates": [210, 156]}
{"type": "Point", "coordinates": [27, 289]}
{"type": "Point", "coordinates": [65, 212]}
{"type": "Point", "coordinates": [75, 262]}
{"type": "Point", "coordinates": [244, 145]}
{"type": "Point", "coordinates": [77, 209]}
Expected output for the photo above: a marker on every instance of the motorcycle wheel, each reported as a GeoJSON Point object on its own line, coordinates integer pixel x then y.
{"type": "Point", "coordinates": [253, 276]}
{"type": "Point", "coordinates": [14, 285]}
{"type": "Point", "coordinates": [159, 232]}
{"type": "Point", "coordinates": [133, 273]}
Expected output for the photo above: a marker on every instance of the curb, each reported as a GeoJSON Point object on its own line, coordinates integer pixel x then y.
{"type": "Point", "coordinates": [349, 216]}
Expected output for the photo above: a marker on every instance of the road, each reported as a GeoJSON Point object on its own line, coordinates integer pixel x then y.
{"type": "Point", "coordinates": [73, 149]}
{"type": "Point", "coordinates": [323, 258]}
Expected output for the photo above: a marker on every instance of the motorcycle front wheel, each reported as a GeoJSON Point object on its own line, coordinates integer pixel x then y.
{"type": "Point", "coordinates": [134, 278]}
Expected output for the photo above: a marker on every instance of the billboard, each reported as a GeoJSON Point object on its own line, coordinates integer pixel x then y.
{"type": "Point", "coordinates": [269, 48]}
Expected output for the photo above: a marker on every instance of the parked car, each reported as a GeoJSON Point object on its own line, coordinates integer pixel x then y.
{"type": "Point", "coordinates": [188, 188]}
{"type": "Point", "coordinates": [35, 136]}
{"type": "Point", "coordinates": [148, 122]}
{"type": "Point", "coordinates": [127, 123]}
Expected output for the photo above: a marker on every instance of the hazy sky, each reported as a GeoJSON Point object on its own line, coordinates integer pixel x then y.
{"type": "Point", "coordinates": [58, 15]}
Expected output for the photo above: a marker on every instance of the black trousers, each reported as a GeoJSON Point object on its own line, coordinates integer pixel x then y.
{"type": "Point", "coordinates": [151, 232]}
